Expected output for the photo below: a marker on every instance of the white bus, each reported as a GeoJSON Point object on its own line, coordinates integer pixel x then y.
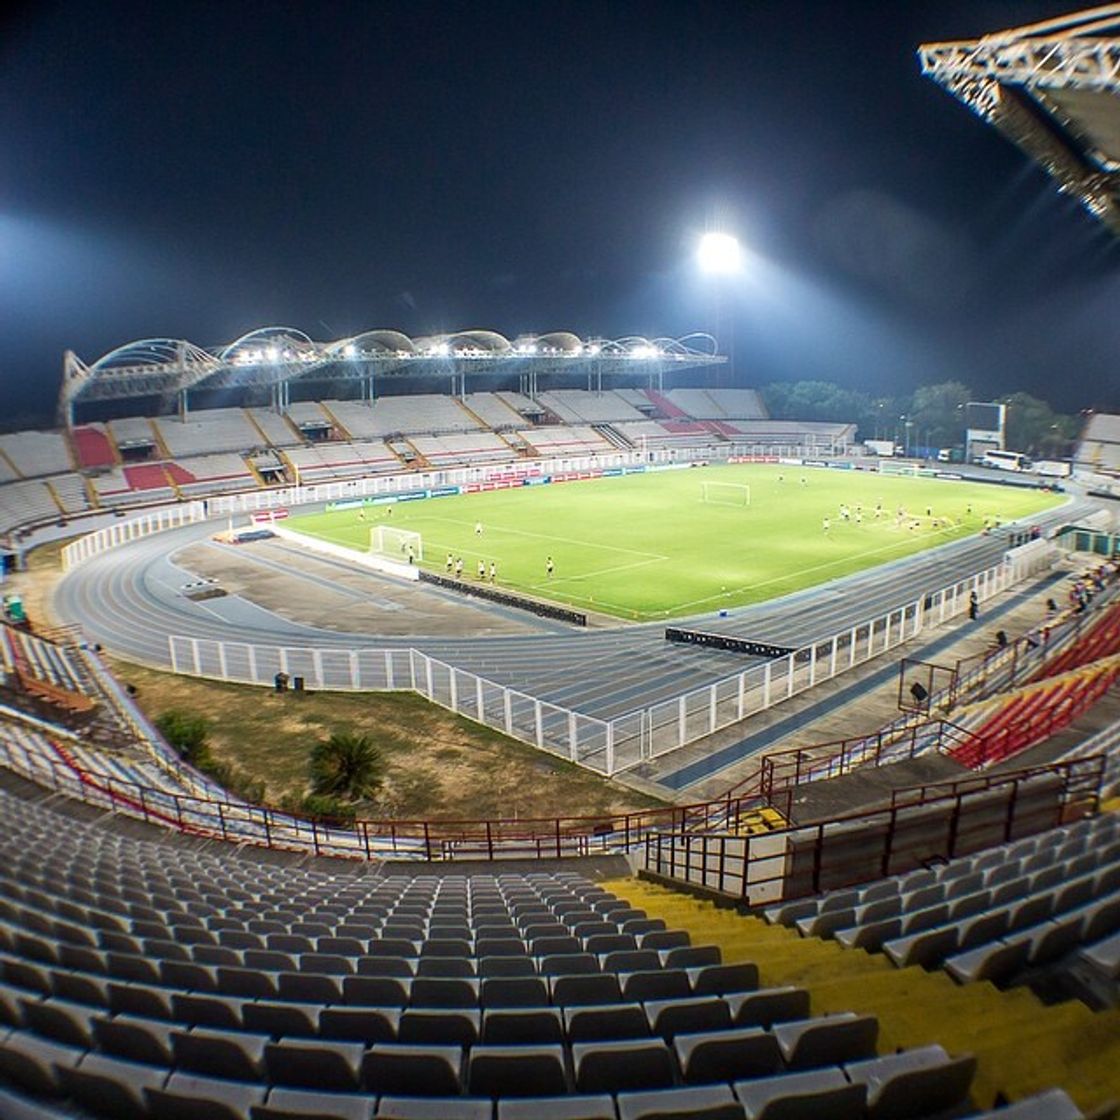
{"type": "Point", "coordinates": [1005, 460]}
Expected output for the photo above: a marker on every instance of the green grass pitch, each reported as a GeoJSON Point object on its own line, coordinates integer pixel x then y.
{"type": "Point", "coordinates": [648, 546]}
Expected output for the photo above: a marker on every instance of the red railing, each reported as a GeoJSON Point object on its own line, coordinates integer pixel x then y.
{"type": "Point", "coordinates": [935, 823]}
{"type": "Point", "coordinates": [239, 822]}
{"type": "Point", "coordinates": [781, 772]}
{"type": "Point", "coordinates": [1029, 719]}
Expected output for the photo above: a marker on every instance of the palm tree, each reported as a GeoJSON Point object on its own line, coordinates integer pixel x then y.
{"type": "Point", "coordinates": [347, 765]}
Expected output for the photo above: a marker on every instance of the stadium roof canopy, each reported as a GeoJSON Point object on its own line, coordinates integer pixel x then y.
{"type": "Point", "coordinates": [1054, 89]}
{"type": "Point", "coordinates": [273, 357]}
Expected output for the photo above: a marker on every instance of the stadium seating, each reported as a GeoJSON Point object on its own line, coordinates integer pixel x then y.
{"type": "Point", "coordinates": [426, 413]}
{"type": "Point", "coordinates": [273, 428]}
{"type": "Point", "coordinates": [93, 446]}
{"type": "Point", "coordinates": [1099, 446]}
{"type": "Point", "coordinates": [139, 974]}
{"type": "Point", "coordinates": [578, 406]}
{"type": "Point", "coordinates": [134, 431]}
{"type": "Point", "coordinates": [987, 916]}
{"type": "Point", "coordinates": [579, 439]}
{"type": "Point", "coordinates": [494, 411]}
{"type": "Point", "coordinates": [34, 454]}
{"type": "Point", "coordinates": [208, 431]}
{"type": "Point", "coordinates": [324, 462]}
{"type": "Point", "coordinates": [26, 503]}
{"type": "Point", "coordinates": [454, 449]}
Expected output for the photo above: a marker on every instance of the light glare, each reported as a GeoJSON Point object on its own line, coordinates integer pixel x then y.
{"type": "Point", "coordinates": [719, 253]}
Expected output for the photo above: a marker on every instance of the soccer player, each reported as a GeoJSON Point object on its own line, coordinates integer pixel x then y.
{"type": "Point", "coordinates": [549, 567]}
{"type": "Point", "coordinates": [450, 563]}
{"type": "Point", "coordinates": [459, 568]}
{"type": "Point", "coordinates": [826, 525]}
{"type": "Point", "coordinates": [361, 515]}
{"type": "Point", "coordinates": [482, 569]}
{"type": "Point", "coordinates": [478, 528]}
{"type": "Point", "coordinates": [493, 571]}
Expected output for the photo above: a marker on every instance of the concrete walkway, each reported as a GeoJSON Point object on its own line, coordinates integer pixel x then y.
{"type": "Point", "coordinates": [856, 703]}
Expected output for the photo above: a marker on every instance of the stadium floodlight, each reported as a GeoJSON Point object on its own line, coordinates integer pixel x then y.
{"type": "Point", "coordinates": [273, 353]}
{"type": "Point", "coordinates": [719, 254]}
{"type": "Point", "coordinates": [350, 350]}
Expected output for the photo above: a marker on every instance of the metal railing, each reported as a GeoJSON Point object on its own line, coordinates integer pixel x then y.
{"type": "Point", "coordinates": [936, 824]}
{"type": "Point", "coordinates": [606, 746]}
{"type": "Point", "coordinates": [220, 816]}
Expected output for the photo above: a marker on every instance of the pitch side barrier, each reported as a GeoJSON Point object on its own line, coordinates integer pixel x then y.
{"type": "Point", "coordinates": [505, 598]}
{"type": "Point", "coordinates": [608, 747]}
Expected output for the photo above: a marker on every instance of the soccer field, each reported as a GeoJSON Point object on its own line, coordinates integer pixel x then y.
{"type": "Point", "coordinates": [647, 546]}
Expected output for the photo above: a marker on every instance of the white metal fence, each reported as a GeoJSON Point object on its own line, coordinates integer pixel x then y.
{"type": "Point", "coordinates": [120, 532]}
{"type": "Point", "coordinates": [572, 735]}
{"type": "Point", "coordinates": [607, 746]}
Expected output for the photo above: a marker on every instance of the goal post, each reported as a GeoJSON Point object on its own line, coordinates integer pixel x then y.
{"type": "Point", "coordinates": [725, 493]}
{"type": "Point", "coordinates": [891, 466]}
{"type": "Point", "coordinates": [396, 544]}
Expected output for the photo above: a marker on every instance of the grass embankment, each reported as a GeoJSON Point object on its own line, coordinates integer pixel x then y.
{"type": "Point", "coordinates": [651, 546]}
{"type": "Point", "coordinates": [438, 765]}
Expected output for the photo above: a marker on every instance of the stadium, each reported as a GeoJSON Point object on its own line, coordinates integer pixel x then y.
{"type": "Point", "coordinates": [804, 759]}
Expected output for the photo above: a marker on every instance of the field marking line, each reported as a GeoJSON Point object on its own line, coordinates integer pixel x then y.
{"type": "Point", "coordinates": [890, 547]}
{"type": "Point", "coordinates": [599, 572]}
{"type": "Point", "coordinates": [549, 537]}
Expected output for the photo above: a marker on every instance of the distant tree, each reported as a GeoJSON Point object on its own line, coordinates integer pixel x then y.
{"type": "Point", "coordinates": [347, 765]}
{"type": "Point", "coordinates": [813, 400]}
{"type": "Point", "coordinates": [1033, 426]}
{"type": "Point", "coordinates": [937, 414]}
{"type": "Point", "coordinates": [186, 733]}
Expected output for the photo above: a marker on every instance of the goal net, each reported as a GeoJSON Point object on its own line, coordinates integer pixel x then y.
{"type": "Point", "coordinates": [725, 493]}
{"type": "Point", "coordinates": [396, 544]}
{"type": "Point", "coordinates": [888, 466]}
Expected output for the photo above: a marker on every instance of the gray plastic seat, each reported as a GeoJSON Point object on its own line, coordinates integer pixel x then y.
{"type": "Point", "coordinates": [569, 991]}
{"type": "Point", "coordinates": [710, 1102]}
{"type": "Point", "coordinates": [588, 1107]}
{"type": "Point", "coordinates": [135, 1039]}
{"type": "Point", "coordinates": [1054, 1104]}
{"type": "Point", "coordinates": [447, 1108]}
{"type": "Point", "coordinates": [719, 979]}
{"type": "Point", "coordinates": [236, 1056]}
{"type": "Point", "coordinates": [997, 961]}
{"type": "Point", "coordinates": [726, 1055]}
{"type": "Point", "coordinates": [530, 1025]}
{"type": "Point", "coordinates": [824, 1094]}
{"type": "Point", "coordinates": [600, 1023]}
{"type": "Point", "coordinates": [186, 1096]}
{"type": "Point", "coordinates": [305, 1104]}
{"type": "Point", "coordinates": [618, 1067]}
{"type": "Point", "coordinates": [768, 1006]}
{"type": "Point", "coordinates": [657, 984]}
{"type": "Point", "coordinates": [111, 1087]}
{"type": "Point", "coordinates": [830, 1040]}
{"type": "Point", "coordinates": [516, 1071]}
{"type": "Point", "coordinates": [668, 1018]}
{"type": "Point", "coordinates": [412, 1071]}
{"type": "Point", "coordinates": [914, 1083]}
{"type": "Point", "coordinates": [439, 1027]}
{"type": "Point", "coordinates": [325, 1065]}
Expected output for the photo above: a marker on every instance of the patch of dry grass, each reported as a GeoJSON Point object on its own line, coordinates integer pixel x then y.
{"type": "Point", "coordinates": [439, 766]}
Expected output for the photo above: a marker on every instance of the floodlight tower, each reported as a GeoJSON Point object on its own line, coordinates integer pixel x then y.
{"type": "Point", "coordinates": [720, 256]}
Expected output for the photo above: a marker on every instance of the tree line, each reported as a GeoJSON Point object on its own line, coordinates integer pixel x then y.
{"type": "Point", "coordinates": [930, 417]}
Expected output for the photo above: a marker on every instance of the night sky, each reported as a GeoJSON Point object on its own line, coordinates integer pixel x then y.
{"type": "Point", "coordinates": [199, 169]}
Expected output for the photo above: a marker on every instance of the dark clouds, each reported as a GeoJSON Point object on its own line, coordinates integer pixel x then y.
{"type": "Point", "coordinates": [198, 170]}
